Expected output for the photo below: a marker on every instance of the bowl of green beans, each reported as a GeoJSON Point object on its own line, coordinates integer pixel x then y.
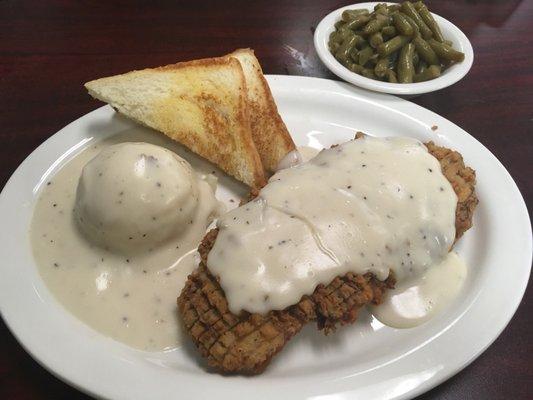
{"type": "Point", "coordinates": [396, 48]}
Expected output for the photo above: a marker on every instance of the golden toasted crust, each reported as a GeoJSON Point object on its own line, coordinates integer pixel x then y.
{"type": "Point", "coordinates": [202, 104]}
{"type": "Point", "coordinates": [269, 132]}
{"type": "Point", "coordinates": [247, 342]}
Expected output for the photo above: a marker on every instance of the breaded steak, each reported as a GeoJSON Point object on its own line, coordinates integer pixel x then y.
{"type": "Point", "coordinates": [247, 342]}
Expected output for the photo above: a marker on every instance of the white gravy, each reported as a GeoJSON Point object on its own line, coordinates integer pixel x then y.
{"type": "Point", "coordinates": [368, 205]}
{"type": "Point", "coordinates": [122, 271]}
{"type": "Point", "coordinates": [414, 301]}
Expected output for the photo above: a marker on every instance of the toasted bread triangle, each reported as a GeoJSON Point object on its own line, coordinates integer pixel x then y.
{"type": "Point", "coordinates": [201, 104]}
{"type": "Point", "coordinates": [269, 132]}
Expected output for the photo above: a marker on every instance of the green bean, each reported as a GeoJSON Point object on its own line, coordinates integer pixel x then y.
{"type": "Point", "coordinates": [417, 5]}
{"type": "Point", "coordinates": [357, 22]}
{"type": "Point", "coordinates": [445, 52]}
{"type": "Point", "coordinates": [406, 69]}
{"type": "Point", "coordinates": [368, 73]}
{"type": "Point", "coordinates": [376, 39]}
{"type": "Point", "coordinates": [426, 52]}
{"type": "Point", "coordinates": [348, 15]}
{"type": "Point", "coordinates": [354, 54]}
{"type": "Point", "coordinates": [390, 46]}
{"type": "Point", "coordinates": [416, 29]}
{"type": "Point", "coordinates": [343, 34]}
{"type": "Point", "coordinates": [381, 68]}
{"type": "Point", "coordinates": [375, 25]}
{"type": "Point", "coordinates": [380, 6]}
{"type": "Point", "coordinates": [409, 10]}
{"type": "Point", "coordinates": [391, 76]}
{"type": "Point", "coordinates": [364, 55]}
{"type": "Point", "coordinates": [402, 25]}
{"type": "Point", "coordinates": [421, 67]}
{"type": "Point", "coordinates": [334, 37]}
{"type": "Point", "coordinates": [388, 31]}
{"type": "Point", "coordinates": [448, 42]}
{"type": "Point", "coordinates": [432, 72]}
{"type": "Point", "coordinates": [333, 47]}
{"type": "Point", "coordinates": [393, 8]}
{"type": "Point", "coordinates": [427, 17]}
{"type": "Point", "coordinates": [343, 52]}
{"type": "Point", "coordinates": [339, 24]}
{"type": "Point", "coordinates": [356, 68]}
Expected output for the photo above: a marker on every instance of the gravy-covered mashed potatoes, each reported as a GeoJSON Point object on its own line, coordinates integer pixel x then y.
{"type": "Point", "coordinates": [379, 205]}
{"type": "Point", "coordinates": [115, 233]}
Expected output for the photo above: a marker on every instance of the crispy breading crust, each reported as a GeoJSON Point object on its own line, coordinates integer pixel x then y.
{"type": "Point", "coordinates": [463, 180]}
{"type": "Point", "coordinates": [247, 342]}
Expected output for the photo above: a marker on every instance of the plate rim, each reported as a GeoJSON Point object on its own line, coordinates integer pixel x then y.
{"type": "Point", "coordinates": [322, 84]}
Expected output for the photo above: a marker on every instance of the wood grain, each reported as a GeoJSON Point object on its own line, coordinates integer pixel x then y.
{"type": "Point", "coordinates": [49, 49]}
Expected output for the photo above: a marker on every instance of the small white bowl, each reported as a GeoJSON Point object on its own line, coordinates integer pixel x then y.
{"type": "Point", "coordinates": [448, 77]}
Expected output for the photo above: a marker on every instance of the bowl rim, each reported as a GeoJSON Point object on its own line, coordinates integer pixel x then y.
{"type": "Point", "coordinates": [451, 76]}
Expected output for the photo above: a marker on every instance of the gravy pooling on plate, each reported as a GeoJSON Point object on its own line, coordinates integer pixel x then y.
{"type": "Point", "coordinates": [114, 234]}
{"type": "Point", "coordinates": [369, 205]}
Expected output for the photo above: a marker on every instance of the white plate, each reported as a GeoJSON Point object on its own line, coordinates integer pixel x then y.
{"type": "Point", "coordinates": [448, 77]}
{"type": "Point", "coordinates": [366, 360]}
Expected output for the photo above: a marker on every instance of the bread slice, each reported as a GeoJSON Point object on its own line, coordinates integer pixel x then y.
{"type": "Point", "coordinates": [269, 132]}
{"type": "Point", "coordinates": [201, 104]}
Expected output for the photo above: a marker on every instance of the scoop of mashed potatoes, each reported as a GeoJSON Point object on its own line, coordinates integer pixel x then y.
{"type": "Point", "coordinates": [134, 196]}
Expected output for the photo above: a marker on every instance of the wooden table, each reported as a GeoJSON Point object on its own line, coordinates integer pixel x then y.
{"type": "Point", "coordinates": [49, 49]}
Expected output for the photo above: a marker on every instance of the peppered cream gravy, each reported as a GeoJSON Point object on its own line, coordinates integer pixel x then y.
{"type": "Point", "coordinates": [369, 205]}
{"type": "Point", "coordinates": [114, 234]}
{"type": "Point", "coordinates": [417, 299]}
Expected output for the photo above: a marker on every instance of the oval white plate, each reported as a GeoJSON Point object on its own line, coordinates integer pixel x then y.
{"type": "Point", "coordinates": [366, 360]}
{"type": "Point", "coordinates": [448, 77]}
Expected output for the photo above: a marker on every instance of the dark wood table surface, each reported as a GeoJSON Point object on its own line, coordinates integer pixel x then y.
{"type": "Point", "coordinates": [48, 49]}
